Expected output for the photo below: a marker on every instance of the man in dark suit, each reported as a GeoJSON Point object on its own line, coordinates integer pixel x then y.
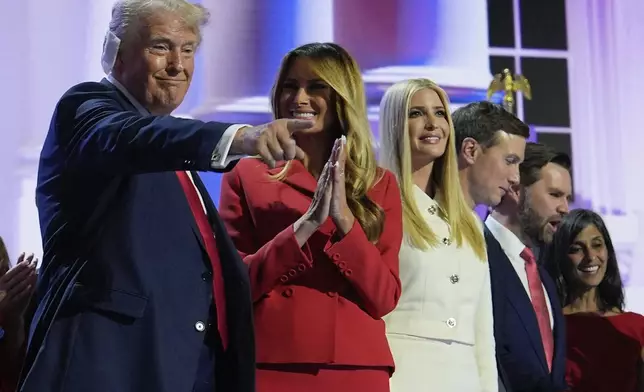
{"type": "Point", "coordinates": [528, 321]}
{"type": "Point", "coordinates": [491, 144]}
{"type": "Point", "coordinates": [141, 288]}
{"type": "Point", "coordinates": [529, 324]}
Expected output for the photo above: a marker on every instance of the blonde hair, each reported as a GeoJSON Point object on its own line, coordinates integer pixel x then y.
{"type": "Point", "coordinates": [395, 154]}
{"type": "Point", "coordinates": [128, 14]}
{"type": "Point", "coordinates": [339, 71]}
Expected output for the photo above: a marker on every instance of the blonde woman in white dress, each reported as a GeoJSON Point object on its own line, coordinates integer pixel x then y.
{"type": "Point", "coordinates": [441, 333]}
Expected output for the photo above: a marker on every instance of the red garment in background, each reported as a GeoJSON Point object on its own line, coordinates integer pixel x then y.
{"type": "Point", "coordinates": [9, 366]}
{"type": "Point", "coordinates": [604, 352]}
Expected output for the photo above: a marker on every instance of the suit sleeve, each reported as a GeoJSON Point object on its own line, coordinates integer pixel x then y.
{"type": "Point", "coordinates": [373, 269]}
{"type": "Point", "coordinates": [271, 264]}
{"type": "Point", "coordinates": [484, 338]}
{"type": "Point", "coordinates": [561, 341]}
{"type": "Point", "coordinates": [98, 135]}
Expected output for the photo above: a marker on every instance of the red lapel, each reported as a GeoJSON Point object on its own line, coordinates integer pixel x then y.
{"type": "Point", "coordinates": [300, 179]}
{"type": "Point", "coordinates": [297, 177]}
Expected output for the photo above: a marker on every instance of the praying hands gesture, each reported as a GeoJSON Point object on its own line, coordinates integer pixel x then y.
{"type": "Point", "coordinates": [330, 199]}
{"type": "Point", "coordinates": [17, 287]}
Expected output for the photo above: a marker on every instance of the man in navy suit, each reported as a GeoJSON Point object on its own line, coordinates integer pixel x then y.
{"type": "Point", "coordinates": [528, 321]}
{"type": "Point", "coordinates": [531, 337]}
{"type": "Point", "coordinates": [141, 287]}
{"type": "Point", "coordinates": [491, 145]}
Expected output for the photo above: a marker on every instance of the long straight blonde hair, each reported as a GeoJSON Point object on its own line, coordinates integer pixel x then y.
{"type": "Point", "coordinates": [332, 64]}
{"type": "Point", "coordinates": [395, 155]}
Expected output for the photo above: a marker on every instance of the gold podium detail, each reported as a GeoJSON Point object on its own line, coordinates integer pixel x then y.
{"type": "Point", "coordinates": [508, 85]}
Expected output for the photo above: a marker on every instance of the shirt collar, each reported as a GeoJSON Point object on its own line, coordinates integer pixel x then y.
{"type": "Point", "coordinates": [129, 96]}
{"type": "Point", "coordinates": [510, 243]}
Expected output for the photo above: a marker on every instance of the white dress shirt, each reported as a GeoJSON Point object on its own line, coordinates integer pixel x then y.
{"type": "Point", "coordinates": [512, 247]}
{"type": "Point", "coordinates": [220, 159]}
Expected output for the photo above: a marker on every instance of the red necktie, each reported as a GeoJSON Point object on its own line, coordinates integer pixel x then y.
{"type": "Point", "coordinates": [538, 298]}
{"type": "Point", "coordinates": [211, 248]}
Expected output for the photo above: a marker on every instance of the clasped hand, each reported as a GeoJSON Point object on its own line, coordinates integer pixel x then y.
{"type": "Point", "coordinates": [330, 199]}
{"type": "Point", "coordinates": [17, 286]}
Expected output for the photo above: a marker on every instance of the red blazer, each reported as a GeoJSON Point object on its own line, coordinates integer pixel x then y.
{"type": "Point", "coordinates": [321, 303]}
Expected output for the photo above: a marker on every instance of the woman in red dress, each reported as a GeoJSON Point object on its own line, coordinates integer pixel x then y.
{"type": "Point", "coordinates": [320, 234]}
{"type": "Point", "coordinates": [605, 343]}
{"type": "Point", "coordinates": [16, 287]}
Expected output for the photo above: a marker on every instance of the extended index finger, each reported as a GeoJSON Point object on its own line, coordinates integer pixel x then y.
{"type": "Point", "coordinates": [295, 126]}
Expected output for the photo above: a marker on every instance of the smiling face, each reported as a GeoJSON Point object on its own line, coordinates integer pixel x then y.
{"type": "Point", "coordinates": [427, 126]}
{"type": "Point", "coordinates": [589, 256]}
{"type": "Point", "coordinates": [157, 69]}
{"type": "Point", "coordinates": [305, 96]}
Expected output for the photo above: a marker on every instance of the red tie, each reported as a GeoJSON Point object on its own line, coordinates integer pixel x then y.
{"type": "Point", "coordinates": [539, 304]}
{"type": "Point", "coordinates": [211, 248]}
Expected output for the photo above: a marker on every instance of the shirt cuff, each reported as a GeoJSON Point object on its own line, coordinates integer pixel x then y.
{"type": "Point", "coordinates": [220, 158]}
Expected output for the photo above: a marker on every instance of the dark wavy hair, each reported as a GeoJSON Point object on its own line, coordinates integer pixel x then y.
{"type": "Point", "coordinates": [610, 292]}
{"type": "Point", "coordinates": [4, 258]}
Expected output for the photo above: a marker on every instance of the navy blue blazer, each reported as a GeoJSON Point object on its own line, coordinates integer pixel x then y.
{"type": "Point", "coordinates": [523, 366]}
{"type": "Point", "coordinates": [126, 280]}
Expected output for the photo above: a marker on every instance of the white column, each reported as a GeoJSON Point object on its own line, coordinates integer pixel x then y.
{"type": "Point", "coordinates": [448, 37]}
{"type": "Point", "coordinates": [228, 53]}
{"type": "Point", "coordinates": [314, 22]}
{"type": "Point", "coordinates": [14, 22]}
{"type": "Point", "coordinates": [56, 53]}
{"type": "Point", "coordinates": [243, 46]}
{"type": "Point", "coordinates": [606, 84]}
{"type": "Point", "coordinates": [100, 14]}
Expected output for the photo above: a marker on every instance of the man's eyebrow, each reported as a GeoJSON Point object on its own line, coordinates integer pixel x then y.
{"type": "Point", "coordinates": [165, 40]}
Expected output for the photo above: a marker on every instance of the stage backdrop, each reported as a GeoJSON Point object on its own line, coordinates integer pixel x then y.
{"type": "Point", "coordinates": [578, 55]}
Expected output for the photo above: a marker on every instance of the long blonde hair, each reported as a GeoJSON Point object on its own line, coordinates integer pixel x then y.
{"type": "Point", "coordinates": [332, 64]}
{"type": "Point", "coordinates": [395, 154]}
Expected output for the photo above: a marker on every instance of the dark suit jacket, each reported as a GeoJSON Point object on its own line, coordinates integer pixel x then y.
{"type": "Point", "coordinates": [125, 275]}
{"type": "Point", "coordinates": [518, 341]}
{"type": "Point", "coordinates": [321, 303]}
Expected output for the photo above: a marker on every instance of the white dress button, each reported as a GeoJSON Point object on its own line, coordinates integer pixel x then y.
{"type": "Point", "coordinates": [200, 326]}
{"type": "Point", "coordinates": [451, 322]}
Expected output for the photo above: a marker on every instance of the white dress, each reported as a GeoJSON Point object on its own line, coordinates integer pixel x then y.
{"type": "Point", "coordinates": [441, 333]}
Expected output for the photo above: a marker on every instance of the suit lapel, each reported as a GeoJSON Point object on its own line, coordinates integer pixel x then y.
{"type": "Point", "coordinates": [211, 210]}
{"type": "Point", "coordinates": [224, 243]}
{"type": "Point", "coordinates": [188, 211]}
{"type": "Point", "coordinates": [516, 294]}
{"type": "Point", "coordinates": [298, 177]}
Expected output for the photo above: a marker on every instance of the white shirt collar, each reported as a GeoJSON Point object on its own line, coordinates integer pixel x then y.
{"type": "Point", "coordinates": [510, 243]}
{"type": "Point", "coordinates": [127, 94]}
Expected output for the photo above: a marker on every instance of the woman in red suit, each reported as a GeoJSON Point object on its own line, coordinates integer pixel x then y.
{"type": "Point", "coordinates": [605, 343]}
{"type": "Point", "coordinates": [320, 235]}
{"type": "Point", "coordinates": [16, 287]}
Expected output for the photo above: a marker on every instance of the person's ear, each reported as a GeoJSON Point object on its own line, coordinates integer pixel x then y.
{"type": "Point", "coordinates": [515, 193]}
{"type": "Point", "coordinates": [470, 150]}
